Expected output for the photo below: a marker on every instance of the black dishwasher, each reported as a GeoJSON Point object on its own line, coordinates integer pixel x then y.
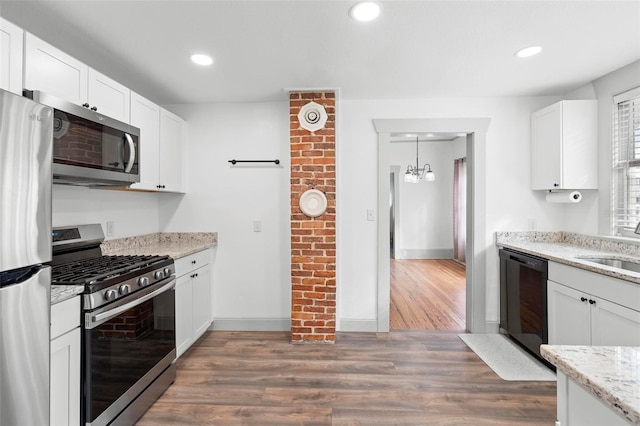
{"type": "Point", "coordinates": [523, 298]}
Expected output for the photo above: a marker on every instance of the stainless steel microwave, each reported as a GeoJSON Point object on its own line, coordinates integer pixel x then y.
{"type": "Point", "coordinates": [91, 149]}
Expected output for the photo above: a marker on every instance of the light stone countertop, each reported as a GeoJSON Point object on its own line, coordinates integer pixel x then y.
{"type": "Point", "coordinates": [60, 293]}
{"type": "Point", "coordinates": [611, 373]}
{"type": "Point", "coordinates": [173, 244]}
{"type": "Point", "coordinates": [565, 247]}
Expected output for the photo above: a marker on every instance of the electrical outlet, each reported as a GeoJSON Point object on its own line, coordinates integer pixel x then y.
{"type": "Point", "coordinates": [257, 226]}
{"type": "Point", "coordinates": [371, 214]}
{"type": "Point", "coordinates": [532, 224]}
{"type": "Point", "coordinates": [110, 230]}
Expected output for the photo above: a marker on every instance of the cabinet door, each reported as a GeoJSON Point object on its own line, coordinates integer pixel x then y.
{"type": "Point", "coordinates": [184, 317]}
{"type": "Point", "coordinates": [568, 316]}
{"type": "Point", "coordinates": [145, 115]}
{"type": "Point", "coordinates": [108, 96]}
{"type": "Point", "coordinates": [201, 301]}
{"type": "Point", "coordinates": [614, 325]}
{"type": "Point", "coordinates": [11, 39]}
{"type": "Point", "coordinates": [171, 131]}
{"type": "Point", "coordinates": [546, 145]}
{"type": "Point", "coordinates": [65, 379]}
{"type": "Point", "coordinates": [53, 71]}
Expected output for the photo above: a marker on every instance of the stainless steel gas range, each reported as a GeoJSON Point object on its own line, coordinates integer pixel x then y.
{"type": "Point", "coordinates": [128, 320]}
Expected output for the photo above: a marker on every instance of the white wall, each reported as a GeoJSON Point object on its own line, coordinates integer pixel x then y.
{"type": "Point", "coordinates": [133, 213]}
{"type": "Point", "coordinates": [510, 201]}
{"type": "Point", "coordinates": [425, 209]}
{"type": "Point", "coordinates": [252, 287]}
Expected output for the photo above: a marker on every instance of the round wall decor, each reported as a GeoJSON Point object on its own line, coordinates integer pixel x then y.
{"type": "Point", "coordinates": [313, 203]}
{"type": "Point", "coordinates": [312, 116]}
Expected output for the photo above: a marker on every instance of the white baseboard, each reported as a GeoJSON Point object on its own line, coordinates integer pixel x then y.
{"type": "Point", "coordinates": [361, 325]}
{"type": "Point", "coordinates": [251, 324]}
{"type": "Point", "coordinates": [445, 253]}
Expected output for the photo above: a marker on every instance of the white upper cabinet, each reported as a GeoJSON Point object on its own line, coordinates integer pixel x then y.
{"type": "Point", "coordinates": [50, 70]}
{"type": "Point", "coordinates": [108, 96]}
{"type": "Point", "coordinates": [161, 134]}
{"type": "Point", "coordinates": [172, 130]}
{"type": "Point", "coordinates": [11, 47]}
{"type": "Point", "coordinates": [564, 146]}
{"type": "Point", "coordinates": [53, 71]}
{"type": "Point", "coordinates": [146, 116]}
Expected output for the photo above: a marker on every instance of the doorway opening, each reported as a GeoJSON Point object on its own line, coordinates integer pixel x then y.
{"type": "Point", "coordinates": [475, 130]}
{"type": "Point", "coordinates": [428, 233]}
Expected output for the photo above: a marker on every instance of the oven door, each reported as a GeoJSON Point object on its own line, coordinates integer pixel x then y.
{"type": "Point", "coordinates": [126, 346]}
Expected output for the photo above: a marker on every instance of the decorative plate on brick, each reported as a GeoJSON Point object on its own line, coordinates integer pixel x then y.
{"type": "Point", "coordinates": [313, 203]}
{"type": "Point", "coordinates": [312, 116]}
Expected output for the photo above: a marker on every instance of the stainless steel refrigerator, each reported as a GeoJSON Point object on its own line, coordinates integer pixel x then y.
{"type": "Point", "coordinates": [25, 245]}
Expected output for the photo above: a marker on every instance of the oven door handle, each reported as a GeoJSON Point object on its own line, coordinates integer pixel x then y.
{"type": "Point", "coordinates": [96, 320]}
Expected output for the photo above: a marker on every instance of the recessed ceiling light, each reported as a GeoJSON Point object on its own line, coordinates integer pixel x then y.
{"type": "Point", "coordinates": [365, 11]}
{"type": "Point", "coordinates": [201, 59]}
{"type": "Point", "coordinates": [528, 51]}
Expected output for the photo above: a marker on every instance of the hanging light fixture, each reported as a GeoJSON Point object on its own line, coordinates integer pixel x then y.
{"type": "Point", "coordinates": [415, 174]}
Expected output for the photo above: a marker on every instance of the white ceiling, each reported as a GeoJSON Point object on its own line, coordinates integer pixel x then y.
{"type": "Point", "coordinates": [416, 49]}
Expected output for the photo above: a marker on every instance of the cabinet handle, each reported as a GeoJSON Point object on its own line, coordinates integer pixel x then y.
{"type": "Point", "coordinates": [591, 301]}
{"type": "Point", "coordinates": [583, 299]}
{"type": "Point", "coordinates": [556, 185]}
{"type": "Point", "coordinates": [86, 105]}
{"type": "Point", "coordinates": [193, 262]}
{"type": "Point", "coordinates": [94, 108]}
{"type": "Point", "coordinates": [194, 275]}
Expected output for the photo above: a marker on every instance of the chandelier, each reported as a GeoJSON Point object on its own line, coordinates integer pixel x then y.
{"type": "Point", "coordinates": [416, 174]}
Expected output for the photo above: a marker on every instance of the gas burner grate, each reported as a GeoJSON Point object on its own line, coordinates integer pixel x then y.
{"type": "Point", "coordinates": [93, 270]}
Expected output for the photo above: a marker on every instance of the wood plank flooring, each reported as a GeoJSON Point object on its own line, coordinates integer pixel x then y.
{"type": "Point", "coordinates": [427, 294]}
{"type": "Point", "coordinates": [401, 377]}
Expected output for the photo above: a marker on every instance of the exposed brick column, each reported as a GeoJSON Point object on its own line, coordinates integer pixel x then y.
{"type": "Point", "coordinates": [313, 240]}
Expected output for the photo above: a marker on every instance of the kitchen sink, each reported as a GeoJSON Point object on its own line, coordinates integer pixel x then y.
{"type": "Point", "coordinates": [628, 265]}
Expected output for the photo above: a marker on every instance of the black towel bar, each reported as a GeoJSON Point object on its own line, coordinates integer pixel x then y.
{"type": "Point", "coordinates": [254, 161]}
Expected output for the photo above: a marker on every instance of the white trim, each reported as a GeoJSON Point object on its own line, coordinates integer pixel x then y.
{"type": "Point", "coordinates": [359, 325]}
{"type": "Point", "coordinates": [251, 324]}
{"type": "Point", "coordinates": [444, 253]}
{"type": "Point", "coordinates": [626, 96]}
{"type": "Point", "coordinates": [477, 240]}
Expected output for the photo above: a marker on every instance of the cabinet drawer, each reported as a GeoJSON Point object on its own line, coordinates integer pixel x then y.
{"type": "Point", "coordinates": [65, 316]}
{"type": "Point", "coordinates": [186, 264]}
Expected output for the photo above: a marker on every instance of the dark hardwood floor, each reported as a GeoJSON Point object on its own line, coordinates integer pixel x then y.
{"type": "Point", "coordinates": [401, 377]}
{"type": "Point", "coordinates": [427, 294]}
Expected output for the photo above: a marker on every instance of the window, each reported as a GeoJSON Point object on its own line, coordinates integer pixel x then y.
{"type": "Point", "coordinates": [626, 162]}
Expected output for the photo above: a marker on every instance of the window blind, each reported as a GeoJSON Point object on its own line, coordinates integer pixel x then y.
{"type": "Point", "coordinates": [626, 162]}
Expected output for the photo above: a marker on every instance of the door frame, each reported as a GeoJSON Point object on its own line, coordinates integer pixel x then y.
{"type": "Point", "coordinates": [477, 240]}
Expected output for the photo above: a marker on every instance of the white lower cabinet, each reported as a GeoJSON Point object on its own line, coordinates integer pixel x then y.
{"type": "Point", "coordinates": [586, 308]}
{"type": "Point", "coordinates": [65, 363]}
{"type": "Point", "coordinates": [577, 407]}
{"type": "Point", "coordinates": [193, 298]}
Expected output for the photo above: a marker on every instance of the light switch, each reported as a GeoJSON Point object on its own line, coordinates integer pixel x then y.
{"type": "Point", "coordinates": [257, 226]}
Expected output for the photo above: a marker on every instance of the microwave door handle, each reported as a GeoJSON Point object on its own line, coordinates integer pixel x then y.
{"type": "Point", "coordinates": [132, 153]}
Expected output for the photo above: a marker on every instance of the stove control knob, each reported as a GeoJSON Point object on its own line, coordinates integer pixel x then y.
{"type": "Point", "coordinates": [143, 281]}
{"type": "Point", "coordinates": [158, 275]}
{"type": "Point", "coordinates": [110, 295]}
{"type": "Point", "coordinates": [167, 272]}
{"type": "Point", "coordinates": [124, 289]}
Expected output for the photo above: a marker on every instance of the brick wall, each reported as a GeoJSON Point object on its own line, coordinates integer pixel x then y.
{"type": "Point", "coordinates": [313, 240]}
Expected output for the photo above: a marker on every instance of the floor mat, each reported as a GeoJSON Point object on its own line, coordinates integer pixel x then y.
{"type": "Point", "coordinates": [506, 358]}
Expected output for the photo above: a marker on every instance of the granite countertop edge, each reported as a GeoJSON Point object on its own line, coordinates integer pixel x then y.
{"type": "Point", "coordinates": [614, 387]}
{"type": "Point", "coordinates": [173, 244]}
{"type": "Point", "coordinates": [60, 293]}
{"type": "Point", "coordinates": [566, 248]}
